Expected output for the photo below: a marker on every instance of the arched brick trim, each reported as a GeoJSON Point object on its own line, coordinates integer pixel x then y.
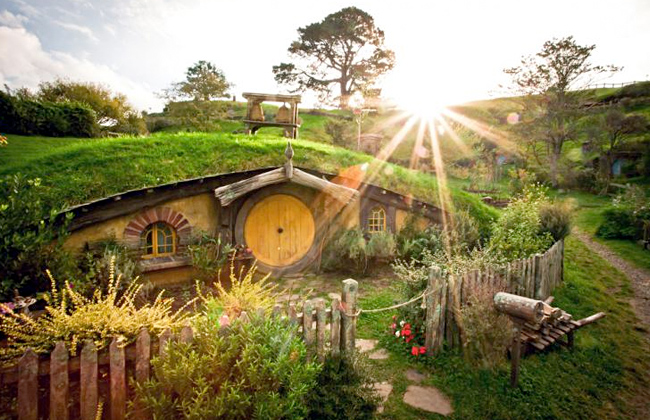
{"type": "Point", "coordinates": [133, 231]}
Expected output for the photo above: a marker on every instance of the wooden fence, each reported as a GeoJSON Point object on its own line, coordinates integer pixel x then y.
{"type": "Point", "coordinates": [76, 385]}
{"type": "Point", "coordinates": [534, 277]}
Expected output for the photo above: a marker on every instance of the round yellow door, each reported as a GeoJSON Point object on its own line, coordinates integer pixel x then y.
{"type": "Point", "coordinates": [279, 230]}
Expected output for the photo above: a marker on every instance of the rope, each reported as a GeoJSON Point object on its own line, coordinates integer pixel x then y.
{"type": "Point", "coordinates": [399, 305]}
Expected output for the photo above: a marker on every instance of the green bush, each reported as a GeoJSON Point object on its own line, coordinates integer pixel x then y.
{"type": "Point", "coordinates": [30, 240]}
{"type": "Point", "coordinates": [620, 223]}
{"type": "Point", "coordinates": [555, 218]}
{"type": "Point", "coordinates": [518, 232]}
{"type": "Point", "coordinates": [381, 245]}
{"type": "Point", "coordinates": [344, 390]}
{"type": "Point", "coordinates": [102, 260]}
{"type": "Point", "coordinates": [345, 251]}
{"type": "Point", "coordinates": [32, 117]}
{"type": "Point", "coordinates": [248, 370]}
{"type": "Point", "coordinates": [341, 132]}
{"type": "Point", "coordinates": [209, 254]}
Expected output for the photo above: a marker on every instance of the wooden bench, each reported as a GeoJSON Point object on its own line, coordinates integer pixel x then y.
{"type": "Point", "coordinates": [290, 130]}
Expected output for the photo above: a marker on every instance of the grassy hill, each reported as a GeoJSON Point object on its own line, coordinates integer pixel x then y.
{"type": "Point", "coordinates": [79, 170]}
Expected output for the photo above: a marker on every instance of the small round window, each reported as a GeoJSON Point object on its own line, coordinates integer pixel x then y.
{"type": "Point", "coordinates": [377, 220]}
{"type": "Point", "coordinates": [159, 240]}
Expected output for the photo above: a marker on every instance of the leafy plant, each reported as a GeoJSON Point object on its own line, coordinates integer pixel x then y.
{"type": "Point", "coordinates": [381, 245]}
{"type": "Point", "coordinates": [209, 254]}
{"type": "Point", "coordinates": [346, 250]}
{"type": "Point", "coordinates": [344, 390]}
{"type": "Point", "coordinates": [72, 318]}
{"type": "Point", "coordinates": [244, 294]}
{"type": "Point", "coordinates": [30, 239]}
{"type": "Point", "coordinates": [99, 261]}
{"type": "Point", "coordinates": [486, 333]}
{"type": "Point", "coordinates": [248, 370]}
{"type": "Point", "coordinates": [555, 218]}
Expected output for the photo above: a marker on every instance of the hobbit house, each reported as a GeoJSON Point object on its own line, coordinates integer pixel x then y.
{"type": "Point", "coordinates": [282, 215]}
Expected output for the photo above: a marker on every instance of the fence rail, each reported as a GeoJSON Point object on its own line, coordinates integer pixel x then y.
{"type": "Point", "coordinates": [534, 277]}
{"type": "Point", "coordinates": [78, 384]}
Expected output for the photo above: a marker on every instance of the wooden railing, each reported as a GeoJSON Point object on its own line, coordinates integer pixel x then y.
{"type": "Point", "coordinates": [534, 277]}
{"type": "Point", "coordinates": [78, 384]}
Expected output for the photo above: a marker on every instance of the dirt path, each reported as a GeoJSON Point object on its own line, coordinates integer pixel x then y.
{"type": "Point", "coordinates": [639, 278]}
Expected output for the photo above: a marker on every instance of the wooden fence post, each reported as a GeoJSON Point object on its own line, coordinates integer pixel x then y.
{"type": "Point", "coordinates": [59, 383]}
{"type": "Point", "coordinates": [539, 280]}
{"type": "Point", "coordinates": [28, 386]}
{"type": "Point", "coordinates": [433, 308]}
{"type": "Point", "coordinates": [349, 315]}
{"type": "Point", "coordinates": [319, 305]}
{"type": "Point", "coordinates": [142, 367]}
{"type": "Point", "coordinates": [307, 324]}
{"type": "Point", "coordinates": [89, 396]}
{"type": "Point", "coordinates": [335, 327]}
{"type": "Point", "coordinates": [117, 370]}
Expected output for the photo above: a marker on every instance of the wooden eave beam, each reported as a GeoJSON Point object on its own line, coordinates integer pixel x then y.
{"type": "Point", "coordinates": [229, 193]}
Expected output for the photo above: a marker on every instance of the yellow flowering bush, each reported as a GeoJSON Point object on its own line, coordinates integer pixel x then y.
{"type": "Point", "coordinates": [73, 318]}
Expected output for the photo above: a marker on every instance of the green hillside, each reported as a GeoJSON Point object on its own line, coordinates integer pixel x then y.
{"type": "Point", "coordinates": [75, 171]}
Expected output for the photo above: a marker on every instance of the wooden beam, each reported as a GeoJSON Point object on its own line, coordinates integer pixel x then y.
{"type": "Point", "coordinates": [529, 310]}
{"type": "Point", "coordinates": [590, 319]}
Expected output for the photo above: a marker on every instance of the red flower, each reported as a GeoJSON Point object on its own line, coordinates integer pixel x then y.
{"type": "Point", "coordinates": [407, 326]}
{"type": "Point", "coordinates": [394, 317]}
{"type": "Point", "coordinates": [408, 339]}
{"type": "Point", "coordinates": [423, 350]}
{"type": "Point", "coordinates": [414, 351]}
{"type": "Point", "coordinates": [406, 332]}
{"type": "Point", "coordinates": [393, 326]}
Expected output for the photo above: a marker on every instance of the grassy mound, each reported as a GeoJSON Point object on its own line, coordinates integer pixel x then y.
{"type": "Point", "coordinates": [79, 170]}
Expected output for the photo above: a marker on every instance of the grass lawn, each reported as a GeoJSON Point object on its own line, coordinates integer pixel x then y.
{"type": "Point", "coordinates": [603, 377]}
{"type": "Point", "coordinates": [589, 216]}
{"type": "Point", "coordinates": [79, 170]}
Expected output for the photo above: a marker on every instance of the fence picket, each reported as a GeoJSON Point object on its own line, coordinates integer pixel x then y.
{"type": "Point", "coordinates": [142, 367]}
{"type": "Point", "coordinates": [335, 327]}
{"type": "Point", "coordinates": [59, 383]}
{"type": "Point", "coordinates": [307, 324]}
{"type": "Point", "coordinates": [89, 396]}
{"type": "Point", "coordinates": [28, 386]}
{"type": "Point", "coordinates": [117, 368]}
{"type": "Point", "coordinates": [163, 340]}
{"type": "Point", "coordinates": [319, 305]}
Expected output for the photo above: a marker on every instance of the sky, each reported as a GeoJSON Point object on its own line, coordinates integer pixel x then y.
{"type": "Point", "coordinates": [447, 52]}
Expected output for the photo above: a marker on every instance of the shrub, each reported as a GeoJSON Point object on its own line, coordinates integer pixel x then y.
{"type": "Point", "coordinates": [72, 318]}
{"type": "Point", "coordinates": [412, 241]}
{"type": "Point", "coordinates": [340, 132]}
{"type": "Point", "coordinates": [464, 234]}
{"type": "Point", "coordinates": [244, 294]}
{"type": "Point", "coordinates": [381, 245]}
{"type": "Point", "coordinates": [345, 251]}
{"type": "Point", "coordinates": [30, 240]}
{"type": "Point", "coordinates": [619, 223]}
{"type": "Point", "coordinates": [344, 390]}
{"type": "Point", "coordinates": [209, 255]}
{"type": "Point", "coordinates": [518, 232]}
{"type": "Point", "coordinates": [555, 218]}
{"type": "Point", "coordinates": [249, 370]}
{"type": "Point", "coordinates": [486, 333]}
{"type": "Point", "coordinates": [99, 262]}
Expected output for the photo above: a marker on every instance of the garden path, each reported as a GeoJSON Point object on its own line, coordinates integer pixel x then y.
{"type": "Point", "coordinates": [639, 278]}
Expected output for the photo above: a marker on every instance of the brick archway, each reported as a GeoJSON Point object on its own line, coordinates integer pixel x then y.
{"type": "Point", "coordinates": [135, 228]}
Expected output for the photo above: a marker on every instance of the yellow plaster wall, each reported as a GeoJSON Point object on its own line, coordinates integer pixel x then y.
{"type": "Point", "coordinates": [402, 215]}
{"type": "Point", "coordinates": [202, 211]}
{"type": "Point", "coordinates": [170, 276]}
{"type": "Point", "coordinates": [350, 214]}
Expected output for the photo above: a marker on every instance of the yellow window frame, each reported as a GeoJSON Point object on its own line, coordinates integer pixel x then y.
{"type": "Point", "coordinates": [156, 230]}
{"type": "Point", "coordinates": [377, 220]}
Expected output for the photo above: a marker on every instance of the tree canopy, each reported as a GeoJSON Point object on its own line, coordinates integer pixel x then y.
{"type": "Point", "coordinates": [551, 82]}
{"type": "Point", "coordinates": [203, 82]}
{"type": "Point", "coordinates": [344, 49]}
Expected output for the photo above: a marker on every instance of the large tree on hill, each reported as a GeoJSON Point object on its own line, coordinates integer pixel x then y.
{"type": "Point", "coordinates": [551, 83]}
{"type": "Point", "coordinates": [344, 49]}
{"type": "Point", "coordinates": [203, 82]}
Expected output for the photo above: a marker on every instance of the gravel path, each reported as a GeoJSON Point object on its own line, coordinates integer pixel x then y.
{"type": "Point", "coordinates": [639, 278]}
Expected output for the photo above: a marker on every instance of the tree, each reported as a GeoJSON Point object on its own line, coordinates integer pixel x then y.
{"type": "Point", "coordinates": [551, 83]}
{"type": "Point", "coordinates": [112, 109]}
{"type": "Point", "coordinates": [203, 82]}
{"type": "Point", "coordinates": [344, 49]}
{"type": "Point", "coordinates": [611, 130]}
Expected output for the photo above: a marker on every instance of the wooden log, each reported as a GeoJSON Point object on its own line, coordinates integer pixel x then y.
{"type": "Point", "coordinates": [89, 395]}
{"type": "Point", "coordinates": [515, 355]}
{"type": "Point", "coordinates": [307, 323]}
{"type": "Point", "coordinates": [349, 315]}
{"type": "Point", "coordinates": [28, 386]}
{"type": "Point", "coordinates": [59, 383]}
{"type": "Point", "coordinates": [549, 300]}
{"type": "Point", "coordinates": [319, 305]}
{"type": "Point", "coordinates": [438, 342]}
{"type": "Point", "coordinates": [537, 345]}
{"type": "Point", "coordinates": [117, 371]}
{"type": "Point", "coordinates": [537, 276]}
{"type": "Point", "coordinates": [529, 310]}
{"type": "Point", "coordinates": [163, 340]}
{"type": "Point", "coordinates": [335, 327]}
{"type": "Point", "coordinates": [590, 319]}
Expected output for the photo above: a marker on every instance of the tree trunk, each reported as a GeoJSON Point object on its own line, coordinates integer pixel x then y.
{"type": "Point", "coordinates": [553, 173]}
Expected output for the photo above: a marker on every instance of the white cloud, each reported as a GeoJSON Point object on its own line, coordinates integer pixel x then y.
{"type": "Point", "coordinates": [24, 62]}
{"type": "Point", "coordinates": [13, 21]}
{"type": "Point", "coordinates": [84, 30]}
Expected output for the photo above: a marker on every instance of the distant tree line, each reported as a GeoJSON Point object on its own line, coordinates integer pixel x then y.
{"type": "Point", "coordinates": [65, 108]}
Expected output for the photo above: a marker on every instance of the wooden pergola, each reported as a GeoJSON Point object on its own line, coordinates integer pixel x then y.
{"type": "Point", "coordinates": [286, 118]}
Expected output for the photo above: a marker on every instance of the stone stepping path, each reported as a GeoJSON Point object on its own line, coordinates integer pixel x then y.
{"type": "Point", "coordinates": [428, 398]}
{"type": "Point", "coordinates": [368, 346]}
{"type": "Point", "coordinates": [383, 389]}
